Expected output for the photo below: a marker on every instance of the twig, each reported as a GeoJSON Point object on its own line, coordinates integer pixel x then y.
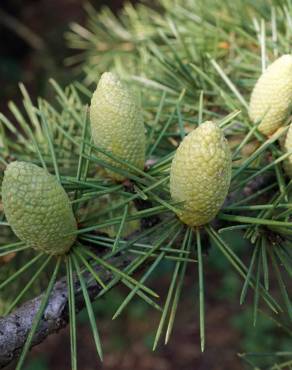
{"type": "Point", "coordinates": [15, 327]}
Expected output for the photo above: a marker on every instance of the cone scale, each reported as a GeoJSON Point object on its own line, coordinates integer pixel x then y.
{"type": "Point", "coordinates": [200, 174]}
{"type": "Point", "coordinates": [271, 99]}
{"type": "Point", "coordinates": [117, 124]}
{"type": "Point", "coordinates": [38, 208]}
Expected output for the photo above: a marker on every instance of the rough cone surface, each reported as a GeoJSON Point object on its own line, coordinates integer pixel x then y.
{"type": "Point", "coordinates": [117, 124]}
{"type": "Point", "coordinates": [200, 174]}
{"type": "Point", "coordinates": [38, 208]}
{"type": "Point", "coordinates": [271, 98]}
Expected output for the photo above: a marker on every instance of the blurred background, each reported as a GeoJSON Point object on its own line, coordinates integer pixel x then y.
{"type": "Point", "coordinates": [32, 50]}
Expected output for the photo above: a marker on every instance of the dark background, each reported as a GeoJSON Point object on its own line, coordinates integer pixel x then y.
{"type": "Point", "coordinates": [32, 50]}
{"type": "Point", "coordinates": [34, 57]}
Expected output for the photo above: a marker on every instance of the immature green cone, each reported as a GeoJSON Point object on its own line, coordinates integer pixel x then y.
{"type": "Point", "coordinates": [271, 98]}
{"type": "Point", "coordinates": [287, 147]}
{"type": "Point", "coordinates": [117, 124]}
{"type": "Point", "coordinates": [200, 174]}
{"type": "Point", "coordinates": [38, 208]}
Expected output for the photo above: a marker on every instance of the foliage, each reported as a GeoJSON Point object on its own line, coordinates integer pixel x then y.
{"type": "Point", "coordinates": [188, 62]}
